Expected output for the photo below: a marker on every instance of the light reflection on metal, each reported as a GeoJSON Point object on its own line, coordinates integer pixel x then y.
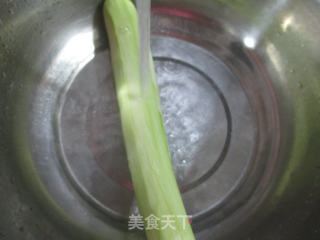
{"type": "Point", "coordinates": [264, 20]}
{"type": "Point", "coordinates": [75, 53]}
{"type": "Point", "coordinates": [286, 23]}
{"type": "Point", "coordinates": [78, 48]}
{"type": "Point", "coordinates": [249, 42]}
{"type": "Point", "coordinates": [274, 58]}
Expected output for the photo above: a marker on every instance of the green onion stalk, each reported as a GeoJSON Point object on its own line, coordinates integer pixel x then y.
{"type": "Point", "coordinates": [152, 174]}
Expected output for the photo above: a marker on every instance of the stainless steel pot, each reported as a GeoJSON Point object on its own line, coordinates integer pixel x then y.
{"type": "Point", "coordinates": [240, 91]}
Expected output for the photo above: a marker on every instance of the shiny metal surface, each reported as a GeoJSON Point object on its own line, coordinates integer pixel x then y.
{"type": "Point", "coordinates": [240, 92]}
